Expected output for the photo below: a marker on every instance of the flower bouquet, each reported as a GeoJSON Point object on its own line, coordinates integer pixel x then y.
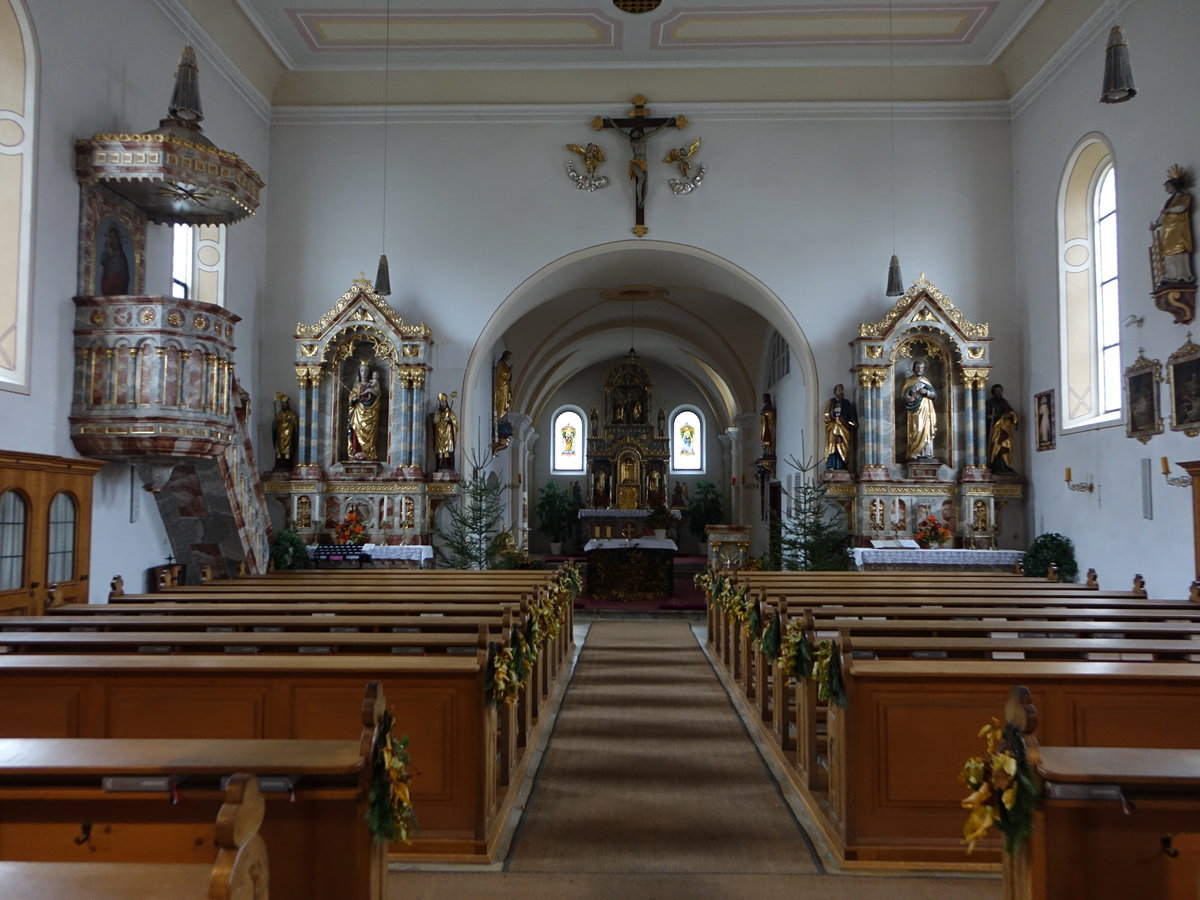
{"type": "Point", "coordinates": [933, 532]}
{"type": "Point", "coordinates": [1003, 789]}
{"type": "Point", "coordinates": [351, 530]}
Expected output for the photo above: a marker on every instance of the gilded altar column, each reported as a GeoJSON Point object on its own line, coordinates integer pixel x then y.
{"type": "Point", "coordinates": [417, 439]}
{"type": "Point", "coordinates": [318, 436]}
{"type": "Point", "coordinates": [402, 423]}
{"type": "Point", "coordinates": [872, 431]}
{"type": "Point", "coordinates": [970, 445]}
{"type": "Point", "coordinates": [304, 414]}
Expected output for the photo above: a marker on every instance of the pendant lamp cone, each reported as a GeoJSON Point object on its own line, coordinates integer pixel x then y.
{"type": "Point", "coordinates": [383, 280]}
{"type": "Point", "coordinates": [895, 284]}
{"type": "Point", "coordinates": [1118, 75]}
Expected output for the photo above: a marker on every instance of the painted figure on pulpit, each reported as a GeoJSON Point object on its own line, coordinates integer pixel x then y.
{"type": "Point", "coordinates": [918, 395]}
{"type": "Point", "coordinates": [364, 414]}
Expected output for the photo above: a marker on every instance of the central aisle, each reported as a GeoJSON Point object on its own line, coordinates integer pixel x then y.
{"type": "Point", "coordinates": [650, 769]}
{"type": "Point", "coordinates": [651, 788]}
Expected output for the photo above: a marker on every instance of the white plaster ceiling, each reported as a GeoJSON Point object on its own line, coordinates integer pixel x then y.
{"type": "Point", "coordinates": [350, 35]}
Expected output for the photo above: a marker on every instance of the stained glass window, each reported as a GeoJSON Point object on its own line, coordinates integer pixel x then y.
{"type": "Point", "coordinates": [687, 441]}
{"type": "Point", "coordinates": [570, 441]}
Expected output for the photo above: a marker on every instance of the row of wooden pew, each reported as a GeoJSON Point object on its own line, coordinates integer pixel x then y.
{"type": "Point", "coordinates": [909, 666]}
{"type": "Point", "coordinates": [282, 659]}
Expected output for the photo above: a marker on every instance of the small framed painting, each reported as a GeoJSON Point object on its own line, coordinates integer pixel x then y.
{"type": "Point", "coordinates": [1047, 426]}
{"type": "Point", "coordinates": [1143, 416]}
{"type": "Point", "coordinates": [112, 245]}
{"type": "Point", "coordinates": [1183, 375]}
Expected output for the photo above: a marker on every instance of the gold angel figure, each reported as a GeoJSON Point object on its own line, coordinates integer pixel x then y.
{"type": "Point", "coordinates": [592, 156]}
{"type": "Point", "coordinates": [683, 157]}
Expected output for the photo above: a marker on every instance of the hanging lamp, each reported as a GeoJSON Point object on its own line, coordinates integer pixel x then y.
{"type": "Point", "coordinates": [1118, 76]}
{"type": "Point", "coordinates": [383, 279]}
{"type": "Point", "coordinates": [895, 284]}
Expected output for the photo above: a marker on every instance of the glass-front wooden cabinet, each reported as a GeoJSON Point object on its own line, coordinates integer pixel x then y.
{"type": "Point", "coordinates": [45, 531]}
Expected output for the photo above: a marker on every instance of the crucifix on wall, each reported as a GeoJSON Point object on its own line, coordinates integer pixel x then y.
{"type": "Point", "coordinates": [637, 128]}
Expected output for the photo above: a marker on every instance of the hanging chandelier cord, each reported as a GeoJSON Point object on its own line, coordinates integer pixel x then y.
{"type": "Point", "coordinates": [387, 71]}
{"type": "Point", "coordinates": [892, 115]}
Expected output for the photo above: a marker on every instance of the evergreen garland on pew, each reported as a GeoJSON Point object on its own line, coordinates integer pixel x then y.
{"type": "Point", "coordinates": [516, 642]}
{"type": "Point", "coordinates": [390, 814]}
{"type": "Point", "coordinates": [753, 616]}
{"type": "Point", "coordinates": [502, 685]}
{"type": "Point", "coordinates": [532, 648]}
{"type": "Point", "coordinates": [1004, 789]}
{"type": "Point", "coordinates": [771, 638]}
{"type": "Point", "coordinates": [795, 657]}
{"type": "Point", "coordinates": [827, 672]}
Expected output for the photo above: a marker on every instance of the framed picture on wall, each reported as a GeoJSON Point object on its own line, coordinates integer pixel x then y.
{"type": "Point", "coordinates": [1183, 374]}
{"type": "Point", "coordinates": [112, 245]}
{"type": "Point", "coordinates": [1143, 416]}
{"type": "Point", "coordinates": [1044, 419]}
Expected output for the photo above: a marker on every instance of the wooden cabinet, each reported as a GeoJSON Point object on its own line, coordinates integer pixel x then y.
{"type": "Point", "coordinates": [45, 531]}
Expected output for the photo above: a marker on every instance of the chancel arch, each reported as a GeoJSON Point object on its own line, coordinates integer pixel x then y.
{"type": "Point", "coordinates": [694, 319]}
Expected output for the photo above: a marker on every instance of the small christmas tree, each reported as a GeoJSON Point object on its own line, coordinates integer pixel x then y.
{"type": "Point", "coordinates": [469, 541]}
{"type": "Point", "coordinates": [813, 536]}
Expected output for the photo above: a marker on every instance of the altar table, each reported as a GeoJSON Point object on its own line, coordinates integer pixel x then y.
{"type": "Point", "coordinates": [360, 553]}
{"type": "Point", "coordinates": [641, 569]}
{"type": "Point", "coordinates": [908, 560]}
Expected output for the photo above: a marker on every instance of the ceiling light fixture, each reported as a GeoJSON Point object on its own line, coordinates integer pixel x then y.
{"type": "Point", "coordinates": [1118, 76]}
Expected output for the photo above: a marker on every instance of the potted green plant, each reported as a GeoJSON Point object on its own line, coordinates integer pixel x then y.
{"type": "Point", "coordinates": [1049, 549]}
{"type": "Point", "coordinates": [288, 551]}
{"type": "Point", "coordinates": [704, 508]}
{"type": "Point", "coordinates": [659, 520]}
{"type": "Point", "coordinates": [554, 514]}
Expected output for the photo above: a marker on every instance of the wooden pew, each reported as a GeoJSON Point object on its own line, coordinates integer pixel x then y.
{"type": "Point", "coordinates": [239, 872]}
{"type": "Point", "coordinates": [1113, 822]}
{"type": "Point", "coordinates": [461, 786]}
{"type": "Point", "coordinates": [151, 800]}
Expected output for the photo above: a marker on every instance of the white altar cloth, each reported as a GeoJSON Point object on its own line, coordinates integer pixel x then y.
{"type": "Point", "coordinates": [994, 559]}
{"type": "Point", "coordinates": [416, 552]}
{"type": "Point", "coordinates": [645, 543]}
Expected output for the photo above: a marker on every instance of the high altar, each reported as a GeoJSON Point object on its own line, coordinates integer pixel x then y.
{"type": "Point", "coordinates": [926, 435]}
{"type": "Point", "coordinates": [628, 453]}
{"type": "Point", "coordinates": [365, 436]}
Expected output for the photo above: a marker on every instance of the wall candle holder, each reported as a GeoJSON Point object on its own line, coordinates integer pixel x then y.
{"type": "Point", "coordinates": [1177, 480]}
{"type": "Point", "coordinates": [1082, 486]}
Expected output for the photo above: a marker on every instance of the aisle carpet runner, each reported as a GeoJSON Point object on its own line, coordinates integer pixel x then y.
{"type": "Point", "coordinates": [650, 770]}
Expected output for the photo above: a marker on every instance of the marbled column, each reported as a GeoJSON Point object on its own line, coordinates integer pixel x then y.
{"type": "Point", "coordinates": [417, 440]}
{"type": "Point", "coordinates": [970, 447]}
{"type": "Point", "coordinates": [401, 425]}
{"type": "Point", "coordinates": [304, 415]}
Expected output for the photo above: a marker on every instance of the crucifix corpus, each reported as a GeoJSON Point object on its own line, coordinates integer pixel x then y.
{"type": "Point", "coordinates": [637, 128]}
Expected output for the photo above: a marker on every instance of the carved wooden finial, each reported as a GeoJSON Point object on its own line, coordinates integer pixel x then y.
{"type": "Point", "coordinates": [242, 572]}
{"type": "Point", "coordinates": [206, 575]}
{"type": "Point", "coordinates": [164, 578]}
{"type": "Point", "coordinates": [116, 587]}
{"type": "Point", "coordinates": [1139, 584]}
{"type": "Point", "coordinates": [241, 868]}
{"type": "Point", "coordinates": [1018, 568]}
{"type": "Point", "coordinates": [1092, 580]}
{"type": "Point", "coordinates": [1194, 592]}
{"type": "Point", "coordinates": [1052, 573]}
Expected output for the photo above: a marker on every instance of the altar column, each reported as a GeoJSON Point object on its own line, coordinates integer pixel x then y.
{"type": "Point", "coordinates": [417, 437]}
{"type": "Point", "coordinates": [304, 417]}
{"type": "Point", "coordinates": [872, 424]}
{"type": "Point", "coordinates": [971, 447]}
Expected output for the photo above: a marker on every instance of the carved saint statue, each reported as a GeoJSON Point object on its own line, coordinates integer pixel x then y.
{"type": "Point", "coordinates": [841, 418]}
{"type": "Point", "coordinates": [1171, 253]}
{"type": "Point", "coordinates": [283, 433]}
{"type": "Point", "coordinates": [502, 386]}
{"type": "Point", "coordinates": [1001, 424]}
{"type": "Point", "coordinates": [918, 395]}
{"type": "Point", "coordinates": [767, 426]}
{"type": "Point", "coordinates": [364, 414]}
{"type": "Point", "coordinates": [445, 433]}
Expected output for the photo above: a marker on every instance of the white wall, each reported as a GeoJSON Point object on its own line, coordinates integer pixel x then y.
{"type": "Point", "coordinates": [97, 75]}
{"type": "Point", "coordinates": [1155, 129]}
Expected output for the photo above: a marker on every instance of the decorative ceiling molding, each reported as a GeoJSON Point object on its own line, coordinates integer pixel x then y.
{"type": "Point", "coordinates": [329, 30]}
{"type": "Point", "coordinates": [839, 25]}
{"type": "Point", "coordinates": [573, 114]}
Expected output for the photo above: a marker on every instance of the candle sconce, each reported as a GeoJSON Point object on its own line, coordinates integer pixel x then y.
{"type": "Point", "coordinates": [1175, 480]}
{"type": "Point", "coordinates": [1082, 486]}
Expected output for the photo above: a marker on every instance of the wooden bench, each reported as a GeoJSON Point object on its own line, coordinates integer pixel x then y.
{"type": "Point", "coordinates": [1112, 822]}
{"type": "Point", "coordinates": [466, 755]}
{"type": "Point", "coordinates": [150, 799]}
{"type": "Point", "coordinates": [239, 872]}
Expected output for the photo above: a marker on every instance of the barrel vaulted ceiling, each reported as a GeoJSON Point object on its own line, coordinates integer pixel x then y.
{"type": "Point", "coordinates": [328, 52]}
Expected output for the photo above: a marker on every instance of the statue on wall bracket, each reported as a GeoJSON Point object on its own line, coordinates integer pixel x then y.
{"type": "Point", "coordinates": [1171, 269]}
